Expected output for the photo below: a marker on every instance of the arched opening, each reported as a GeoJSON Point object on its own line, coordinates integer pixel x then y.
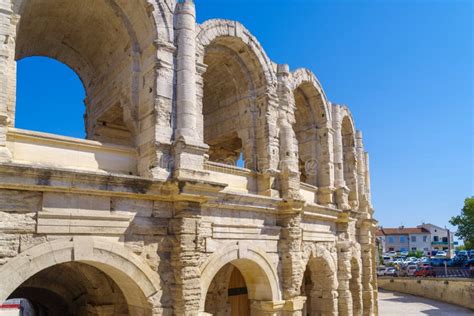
{"type": "Point", "coordinates": [349, 157]}
{"type": "Point", "coordinates": [83, 274]}
{"type": "Point", "coordinates": [309, 117]}
{"type": "Point", "coordinates": [228, 293]}
{"type": "Point", "coordinates": [232, 83]}
{"type": "Point", "coordinates": [73, 288]}
{"type": "Point", "coordinates": [50, 97]}
{"type": "Point", "coordinates": [355, 287]}
{"type": "Point", "coordinates": [319, 288]}
{"type": "Point", "coordinates": [98, 40]}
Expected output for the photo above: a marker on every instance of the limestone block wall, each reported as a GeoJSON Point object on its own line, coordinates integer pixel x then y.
{"type": "Point", "coordinates": [148, 209]}
{"type": "Point", "coordinates": [455, 291]}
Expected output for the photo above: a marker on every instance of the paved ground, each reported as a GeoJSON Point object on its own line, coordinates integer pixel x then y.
{"type": "Point", "coordinates": [393, 303]}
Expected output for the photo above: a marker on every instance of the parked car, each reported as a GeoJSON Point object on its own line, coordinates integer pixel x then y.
{"type": "Point", "coordinates": [391, 253]}
{"type": "Point", "coordinates": [425, 272]}
{"type": "Point", "coordinates": [411, 268]}
{"type": "Point", "coordinates": [381, 271]}
{"type": "Point", "coordinates": [441, 253]}
{"type": "Point", "coordinates": [438, 262]}
{"type": "Point", "coordinates": [386, 259]}
{"type": "Point", "coordinates": [469, 265]}
{"type": "Point", "coordinates": [404, 253]}
{"type": "Point", "coordinates": [457, 261]}
{"type": "Point", "coordinates": [391, 272]}
{"type": "Point", "coordinates": [462, 253]}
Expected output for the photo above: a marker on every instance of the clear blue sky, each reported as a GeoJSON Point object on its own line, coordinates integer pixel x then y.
{"type": "Point", "coordinates": [405, 68]}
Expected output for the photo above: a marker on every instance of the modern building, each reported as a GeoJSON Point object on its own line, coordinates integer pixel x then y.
{"type": "Point", "coordinates": [441, 238]}
{"type": "Point", "coordinates": [146, 216]}
{"type": "Point", "coordinates": [426, 237]}
{"type": "Point", "coordinates": [406, 239]}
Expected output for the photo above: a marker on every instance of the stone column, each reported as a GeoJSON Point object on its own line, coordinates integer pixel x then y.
{"type": "Point", "coordinates": [290, 251]}
{"type": "Point", "coordinates": [185, 257]}
{"type": "Point", "coordinates": [344, 256]}
{"type": "Point", "coordinates": [289, 172]}
{"type": "Point", "coordinates": [7, 75]}
{"type": "Point", "coordinates": [189, 148]}
{"type": "Point", "coordinates": [368, 272]}
{"type": "Point", "coordinates": [342, 192]}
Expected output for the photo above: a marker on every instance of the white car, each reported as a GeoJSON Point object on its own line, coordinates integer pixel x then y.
{"type": "Point", "coordinates": [381, 271]}
{"type": "Point", "coordinates": [411, 269]}
{"type": "Point", "coordinates": [441, 254]}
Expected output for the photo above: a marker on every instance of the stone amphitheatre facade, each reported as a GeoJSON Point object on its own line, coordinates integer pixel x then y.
{"type": "Point", "coordinates": [150, 215]}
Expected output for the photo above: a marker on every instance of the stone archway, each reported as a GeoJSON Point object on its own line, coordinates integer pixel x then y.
{"type": "Point", "coordinates": [319, 283]}
{"type": "Point", "coordinates": [312, 117]}
{"type": "Point", "coordinates": [238, 90]}
{"type": "Point", "coordinates": [86, 258]}
{"type": "Point", "coordinates": [259, 276]}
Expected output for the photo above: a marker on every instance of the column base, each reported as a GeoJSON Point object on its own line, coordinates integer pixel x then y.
{"type": "Point", "coordinates": [5, 155]}
{"type": "Point", "coordinates": [326, 196]}
{"type": "Point", "coordinates": [342, 198]}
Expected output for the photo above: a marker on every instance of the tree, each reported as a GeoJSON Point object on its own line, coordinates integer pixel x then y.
{"type": "Point", "coordinates": [465, 223]}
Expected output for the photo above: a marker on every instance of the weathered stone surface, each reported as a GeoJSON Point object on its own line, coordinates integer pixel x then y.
{"type": "Point", "coordinates": [150, 215]}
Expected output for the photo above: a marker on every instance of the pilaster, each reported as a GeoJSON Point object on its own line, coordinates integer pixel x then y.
{"type": "Point", "coordinates": [290, 243]}
{"type": "Point", "coordinates": [7, 76]}
{"type": "Point", "coordinates": [344, 255]}
{"type": "Point", "coordinates": [185, 257]}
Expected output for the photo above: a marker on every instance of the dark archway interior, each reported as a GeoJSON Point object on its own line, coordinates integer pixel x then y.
{"type": "Point", "coordinates": [317, 286]}
{"type": "Point", "coordinates": [229, 101]}
{"type": "Point", "coordinates": [74, 289]}
{"type": "Point", "coordinates": [309, 116]}
{"type": "Point", "coordinates": [228, 293]}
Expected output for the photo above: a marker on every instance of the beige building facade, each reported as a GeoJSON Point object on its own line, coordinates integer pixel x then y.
{"type": "Point", "coordinates": [150, 215]}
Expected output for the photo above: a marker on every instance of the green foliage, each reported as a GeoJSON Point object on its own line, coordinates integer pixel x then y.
{"type": "Point", "coordinates": [417, 254]}
{"type": "Point", "coordinates": [465, 223]}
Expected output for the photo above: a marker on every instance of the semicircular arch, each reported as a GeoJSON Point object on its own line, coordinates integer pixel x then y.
{"type": "Point", "coordinates": [253, 263]}
{"type": "Point", "coordinates": [134, 277]}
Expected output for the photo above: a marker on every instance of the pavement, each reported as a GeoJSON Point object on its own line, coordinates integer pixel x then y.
{"type": "Point", "coordinates": [394, 303]}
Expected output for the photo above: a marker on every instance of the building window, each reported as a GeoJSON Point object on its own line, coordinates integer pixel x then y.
{"type": "Point", "coordinates": [391, 240]}
{"type": "Point", "coordinates": [425, 238]}
{"type": "Point", "coordinates": [435, 238]}
{"type": "Point", "coordinates": [413, 248]}
{"type": "Point", "coordinates": [445, 239]}
{"type": "Point", "coordinates": [413, 238]}
{"type": "Point", "coordinates": [391, 249]}
{"type": "Point", "coordinates": [402, 238]}
{"type": "Point", "coordinates": [425, 249]}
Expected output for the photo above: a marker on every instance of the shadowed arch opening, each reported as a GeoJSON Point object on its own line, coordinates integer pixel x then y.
{"type": "Point", "coordinates": [74, 288]}
{"type": "Point", "coordinates": [260, 277]}
{"type": "Point", "coordinates": [309, 117]}
{"type": "Point", "coordinates": [320, 287]}
{"type": "Point", "coordinates": [349, 156]}
{"type": "Point", "coordinates": [230, 111]}
{"type": "Point", "coordinates": [85, 264]}
{"type": "Point", "coordinates": [355, 286]}
{"type": "Point", "coordinates": [108, 43]}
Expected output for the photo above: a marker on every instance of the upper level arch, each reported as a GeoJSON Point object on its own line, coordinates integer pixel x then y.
{"type": "Point", "coordinates": [305, 82]}
{"type": "Point", "coordinates": [108, 43]}
{"type": "Point", "coordinates": [236, 77]}
{"type": "Point", "coordinates": [345, 128]}
{"type": "Point", "coordinates": [312, 117]}
{"type": "Point", "coordinates": [241, 41]}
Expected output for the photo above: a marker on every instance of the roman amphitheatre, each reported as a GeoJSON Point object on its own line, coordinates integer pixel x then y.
{"type": "Point", "coordinates": [152, 213]}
